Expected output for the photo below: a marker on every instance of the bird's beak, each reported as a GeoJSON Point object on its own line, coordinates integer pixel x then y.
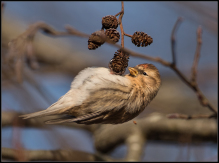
{"type": "Point", "coordinates": [133, 71]}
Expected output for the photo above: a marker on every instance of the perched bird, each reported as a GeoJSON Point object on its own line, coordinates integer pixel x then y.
{"type": "Point", "coordinates": [98, 96]}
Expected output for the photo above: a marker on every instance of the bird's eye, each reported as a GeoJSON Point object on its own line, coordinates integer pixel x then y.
{"type": "Point", "coordinates": [144, 73]}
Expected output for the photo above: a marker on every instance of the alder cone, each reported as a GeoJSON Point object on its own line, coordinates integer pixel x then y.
{"type": "Point", "coordinates": [119, 63]}
{"type": "Point", "coordinates": [109, 21]}
{"type": "Point", "coordinates": [112, 34]}
{"type": "Point", "coordinates": [141, 39]}
{"type": "Point", "coordinates": [96, 39]}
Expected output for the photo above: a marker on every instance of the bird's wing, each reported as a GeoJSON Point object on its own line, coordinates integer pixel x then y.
{"type": "Point", "coordinates": [102, 106]}
{"type": "Point", "coordinates": [68, 119]}
{"type": "Point", "coordinates": [64, 103]}
{"type": "Point", "coordinates": [87, 75]}
{"type": "Point", "coordinates": [85, 83]}
{"type": "Point", "coordinates": [73, 97]}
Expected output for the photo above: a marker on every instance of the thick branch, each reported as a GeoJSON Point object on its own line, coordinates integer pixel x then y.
{"type": "Point", "coordinates": [184, 116]}
{"type": "Point", "coordinates": [135, 144]}
{"type": "Point", "coordinates": [156, 127]}
{"type": "Point", "coordinates": [8, 117]}
{"type": "Point", "coordinates": [52, 155]}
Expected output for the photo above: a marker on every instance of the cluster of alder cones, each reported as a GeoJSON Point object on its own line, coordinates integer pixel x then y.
{"type": "Point", "coordinates": [119, 62]}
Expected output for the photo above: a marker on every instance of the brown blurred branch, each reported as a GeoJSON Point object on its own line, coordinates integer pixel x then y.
{"type": "Point", "coordinates": [9, 116]}
{"type": "Point", "coordinates": [184, 116]}
{"type": "Point", "coordinates": [155, 127]}
{"type": "Point", "coordinates": [53, 155]}
{"type": "Point", "coordinates": [135, 145]}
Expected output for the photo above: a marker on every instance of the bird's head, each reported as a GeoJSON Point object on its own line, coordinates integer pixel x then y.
{"type": "Point", "coordinates": [146, 73]}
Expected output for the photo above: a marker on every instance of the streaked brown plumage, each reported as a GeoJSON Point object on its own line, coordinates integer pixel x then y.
{"type": "Point", "coordinates": [97, 96]}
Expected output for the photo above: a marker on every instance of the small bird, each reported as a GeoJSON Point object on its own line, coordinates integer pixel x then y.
{"type": "Point", "coordinates": [99, 96]}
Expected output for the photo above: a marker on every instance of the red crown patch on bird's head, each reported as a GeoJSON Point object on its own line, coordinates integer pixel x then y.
{"type": "Point", "coordinates": [148, 66]}
{"type": "Point", "coordinates": [145, 65]}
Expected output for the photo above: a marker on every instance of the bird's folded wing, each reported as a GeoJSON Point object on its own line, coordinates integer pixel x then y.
{"type": "Point", "coordinates": [68, 118]}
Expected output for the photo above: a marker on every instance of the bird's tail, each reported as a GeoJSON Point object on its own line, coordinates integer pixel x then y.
{"type": "Point", "coordinates": [39, 114]}
{"type": "Point", "coordinates": [56, 108]}
{"type": "Point", "coordinates": [62, 105]}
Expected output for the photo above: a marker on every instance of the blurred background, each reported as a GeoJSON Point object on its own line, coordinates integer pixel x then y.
{"type": "Point", "coordinates": [61, 58]}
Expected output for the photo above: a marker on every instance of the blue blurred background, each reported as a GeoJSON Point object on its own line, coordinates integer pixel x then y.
{"type": "Point", "coordinates": [154, 18]}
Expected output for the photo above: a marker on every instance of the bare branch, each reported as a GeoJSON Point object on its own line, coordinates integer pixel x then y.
{"type": "Point", "coordinates": [135, 144]}
{"type": "Point", "coordinates": [75, 32]}
{"type": "Point", "coordinates": [197, 55]}
{"type": "Point", "coordinates": [8, 117]}
{"type": "Point", "coordinates": [184, 116]}
{"type": "Point", "coordinates": [53, 155]}
{"type": "Point", "coordinates": [156, 126]}
{"type": "Point", "coordinates": [173, 40]}
{"type": "Point", "coordinates": [120, 24]}
{"type": "Point", "coordinates": [127, 34]}
{"type": "Point", "coordinates": [192, 84]}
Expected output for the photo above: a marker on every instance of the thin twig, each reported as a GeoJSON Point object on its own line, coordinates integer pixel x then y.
{"type": "Point", "coordinates": [118, 13]}
{"type": "Point", "coordinates": [197, 55]}
{"type": "Point", "coordinates": [184, 116]}
{"type": "Point", "coordinates": [120, 24]}
{"type": "Point", "coordinates": [127, 34]}
{"type": "Point", "coordinates": [203, 100]}
{"type": "Point", "coordinates": [73, 31]}
{"type": "Point", "coordinates": [173, 40]}
{"type": "Point", "coordinates": [192, 84]}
